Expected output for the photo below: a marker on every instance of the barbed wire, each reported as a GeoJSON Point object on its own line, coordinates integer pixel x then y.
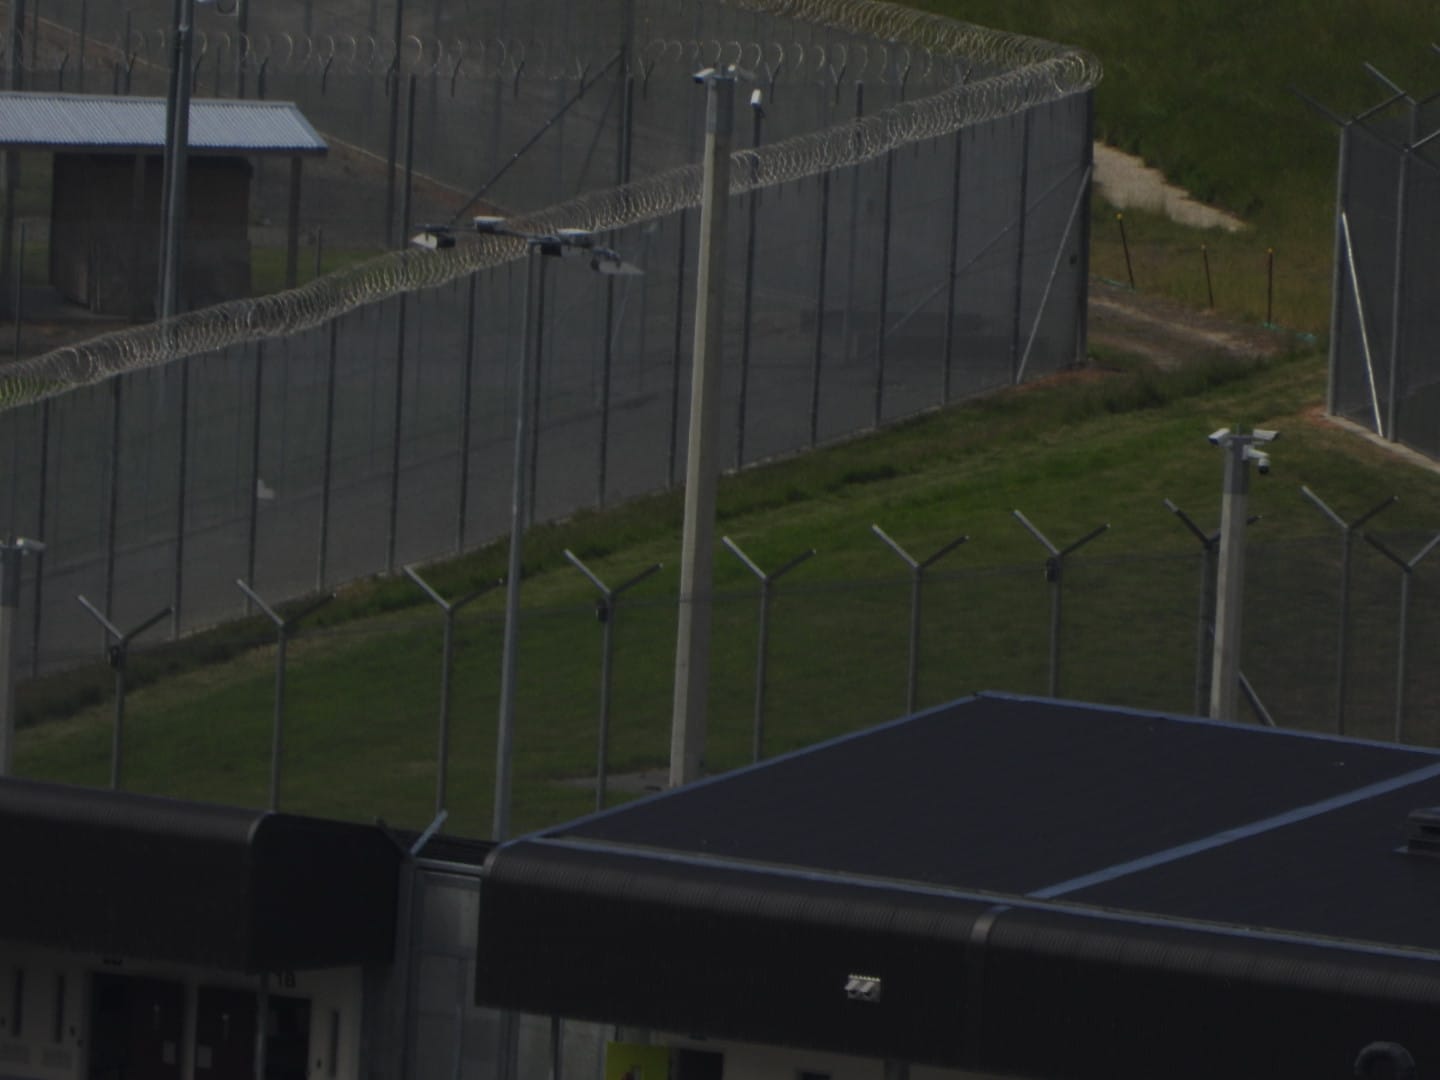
{"type": "Point", "coordinates": [1020, 73]}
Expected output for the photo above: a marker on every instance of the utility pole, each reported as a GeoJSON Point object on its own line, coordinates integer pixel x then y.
{"type": "Point", "coordinates": [692, 642]}
{"type": "Point", "coordinates": [177, 160]}
{"type": "Point", "coordinates": [1240, 450]}
{"type": "Point", "coordinates": [10, 553]}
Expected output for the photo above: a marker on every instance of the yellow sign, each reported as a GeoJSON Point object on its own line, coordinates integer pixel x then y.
{"type": "Point", "coordinates": [635, 1061]}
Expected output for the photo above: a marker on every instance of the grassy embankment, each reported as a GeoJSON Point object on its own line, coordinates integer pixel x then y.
{"type": "Point", "coordinates": [1202, 94]}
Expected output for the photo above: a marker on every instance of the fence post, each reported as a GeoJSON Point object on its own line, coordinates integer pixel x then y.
{"type": "Point", "coordinates": [606, 611]}
{"type": "Point", "coordinates": [467, 382]}
{"type": "Point", "coordinates": [118, 655]}
{"type": "Point", "coordinates": [1024, 215]}
{"type": "Point", "coordinates": [327, 468]}
{"type": "Point", "coordinates": [1347, 532]}
{"type": "Point", "coordinates": [11, 551]}
{"type": "Point", "coordinates": [767, 585]}
{"type": "Point", "coordinates": [448, 609]}
{"type": "Point", "coordinates": [1407, 569]}
{"type": "Point", "coordinates": [1054, 574]}
{"type": "Point", "coordinates": [41, 518]}
{"type": "Point", "coordinates": [917, 571]}
{"type": "Point", "coordinates": [752, 199]}
{"type": "Point", "coordinates": [282, 634]}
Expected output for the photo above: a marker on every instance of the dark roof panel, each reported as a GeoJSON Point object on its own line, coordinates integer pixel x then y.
{"type": "Point", "coordinates": [245, 890]}
{"type": "Point", "coordinates": [1030, 887]}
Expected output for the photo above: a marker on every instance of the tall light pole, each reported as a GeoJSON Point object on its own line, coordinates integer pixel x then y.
{"type": "Point", "coordinates": [1240, 450]}
{"type": "Point", "coordinates": [11, 551]}
{"type": "Point", "coordinates": [697, 549]}
{"type": "Point", "coordinates": [540, 248]}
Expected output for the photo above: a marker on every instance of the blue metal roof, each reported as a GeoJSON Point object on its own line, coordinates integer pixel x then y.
{"type": "Point", "coordinates": [42, 121]}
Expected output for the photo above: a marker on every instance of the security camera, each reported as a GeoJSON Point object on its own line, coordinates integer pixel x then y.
{"type": "Point", "coordinates": [757, 100]}
{"type": "Point", "coordinates": [702, 75]}
{"type": "Point", "coordinates": [1260, 458]}
{"type": "Point", "coordinates": [1216, 437]}
{"type": "Point", "coordinates": [1264, 434]}
{"type": "Point", "coordinates": [487, 223]}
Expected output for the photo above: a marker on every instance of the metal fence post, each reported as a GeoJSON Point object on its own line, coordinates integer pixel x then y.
{"type": "Point", "coordinates": [762, 650]}
{"type": "Point", "coordinates": [448, 608]}
{"type": "Point", "coordinates": [1054, 574]}
{"type": "Point", "coordinates": [605, 611]}
{"type": "Point", "coordinates": [392, 528]}
{"type": "Point", "coordinates": [118, 655]}
{"type": "Point", "coordinates": [41, 517]}
{"type": "Point", "coordinates": [1347, 532]}
{"type": "Point", "coordinates": [282, 635]}
{"type": "Point", "coordinates": [467, 383]}
{"type": "Point", "coordinates": [1407, 569]}
{"type": "Point", "coordinates": [1024, 214]}
{"type": "Point", "coordinates": [327, 468]}
{"type": "Point", "coordinates": [11, 551]}
{"type": "Point", "coordinates": [917, 571]}
{"type": "Point", "coordinates": [747, 309]}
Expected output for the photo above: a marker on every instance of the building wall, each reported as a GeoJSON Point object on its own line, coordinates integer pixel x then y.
{"type": "Point", "coordinates": [47, 993]}
{"type": "Point", "coordinates": [104, 250]}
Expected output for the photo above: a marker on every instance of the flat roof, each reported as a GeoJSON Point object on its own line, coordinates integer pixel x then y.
{"type": "Point", "coordinates": [1035, 886]}
{"type": "Point", "coordinates": [59, 122]}
{"type": "Point", "coordinates": [142, 876]}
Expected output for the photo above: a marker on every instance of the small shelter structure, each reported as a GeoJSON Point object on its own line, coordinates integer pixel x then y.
{"type": "Point", "coordinates": [107, 182]}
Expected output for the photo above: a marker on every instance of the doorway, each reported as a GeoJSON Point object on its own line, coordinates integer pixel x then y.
{"type": "Point", "coordinates": [136, 1027]}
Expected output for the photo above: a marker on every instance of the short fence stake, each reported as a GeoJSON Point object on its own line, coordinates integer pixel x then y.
{"type": "Point", "coordinates": [917, 572]}
{"type": "Point", "coordinates": [605, 611]}
{"type": "Point", "coordinates": [1209, 285]}
{"type": "Point", "coordinates": [1054, 574]}
{"type": "Point", "coordinates": [447, 663]}
{"type": "Point", "coordinates": [282, 634]}
{"type": "Point", "coordinates": [1407, 569]}
{"type": "Point", "coordinates": [767, 583]}
{"type": "Point", "coordinates": [1347, 532]}
{"type": "Point", "coordinates": [118, 654]}
{"type": "Point", "coordinates": [1125, 246]}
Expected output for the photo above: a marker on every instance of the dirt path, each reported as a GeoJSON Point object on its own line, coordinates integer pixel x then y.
{"type": "Point", "coordinates": [1169, 333]}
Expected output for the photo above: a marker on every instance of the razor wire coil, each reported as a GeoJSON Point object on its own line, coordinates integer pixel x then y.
{"type": "Point", "coordinates": [993, 74]}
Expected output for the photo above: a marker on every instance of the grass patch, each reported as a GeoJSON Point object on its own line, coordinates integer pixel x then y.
{"type": "Point", "coordinates": [364, 680]}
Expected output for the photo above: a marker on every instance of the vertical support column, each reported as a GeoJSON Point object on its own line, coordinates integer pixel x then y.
{"type": "Point", "coordinates": [462, 500]}
{"type": "Point", "coordinates": [692, 644]}
{"type": "Point", "coordinates": [1024, 213]}
{"type": "Point", "coordinates": [256, 424]}
{"type": "Point", "coordinates": [952, 268]}
{"type": "Point", "coordinates": [181, 481]}
{"type": "Point", "coordinates": [327, 470]}
{"type": "Point", "coordinates": [11, 158]}
{"type": "Point", "coordinates": [292, 224]}
{"type": "Point", "coordinates": [1337, 284]}
{"type": "Point", "coordinates": [397, 426]}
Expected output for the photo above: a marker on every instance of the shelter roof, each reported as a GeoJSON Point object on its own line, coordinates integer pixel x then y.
{"type": "Point", "coordinates": [1033, 886]}
{"type": "Point", "coordinates": [141, 876]}
{"type": "Point", "coordinates": [102, 123]}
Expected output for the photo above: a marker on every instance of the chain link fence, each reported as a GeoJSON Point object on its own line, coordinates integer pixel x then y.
{"type": "Point", "coordinates": [1385, 319]}
{"type": "Point", "coordinates": [838, 655]}
{"type": "Point", "coordinates": [894, 245]}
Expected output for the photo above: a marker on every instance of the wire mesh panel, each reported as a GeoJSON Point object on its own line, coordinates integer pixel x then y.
{"type": "Point", "coordinates": [902, 231]}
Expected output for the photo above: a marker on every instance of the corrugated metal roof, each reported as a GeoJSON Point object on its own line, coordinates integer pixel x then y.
{"type": "Point", "coordinates": [38, 121]}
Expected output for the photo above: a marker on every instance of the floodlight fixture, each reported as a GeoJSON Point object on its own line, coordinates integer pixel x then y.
{"type": "Point", "coordinates": [434, 238]}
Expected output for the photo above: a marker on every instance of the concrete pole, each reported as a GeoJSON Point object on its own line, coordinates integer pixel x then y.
{"type": "Point", "coordinates": [1230, 583]}
{"type": "Point", "coordinates": [534, 308]}
{"type": "Point", "coordinates": [692, 644]}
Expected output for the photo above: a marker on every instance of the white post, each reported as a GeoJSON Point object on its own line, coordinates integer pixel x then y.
{"type": "Point", "coordinates": [692, 642]}
{"type": "Point", "coordinates": [1230, 581]}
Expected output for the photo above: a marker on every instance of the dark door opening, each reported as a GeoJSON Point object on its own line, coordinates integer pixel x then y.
{"type": "Point", "coordinates": [225, 1035]}
{"type": "Point", "coordinates": [136, 1028]}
